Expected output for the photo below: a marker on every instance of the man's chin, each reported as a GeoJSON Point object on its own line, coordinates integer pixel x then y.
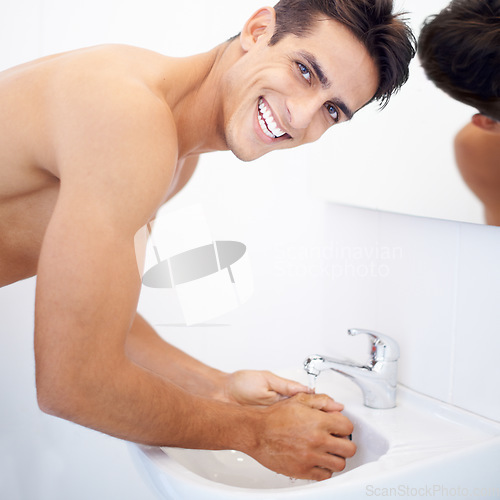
{"type": "Point", "coordinates": [245, 155]}
{"type": "Point", "coordinates": [246, 158]}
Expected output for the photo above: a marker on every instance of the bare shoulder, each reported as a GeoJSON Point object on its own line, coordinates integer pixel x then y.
{"type": "Point", "coordinates": [477, 155]}
{"type": "Point", "coordinates": [475, 144]}
{"type": "Point", "coordinates": [113, 134]}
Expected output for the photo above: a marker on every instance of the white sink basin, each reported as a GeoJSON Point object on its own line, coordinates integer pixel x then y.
{"type": "Point", "coordinates": [237, 469]}
{"type": "Point", "coordinates": [420, 448]}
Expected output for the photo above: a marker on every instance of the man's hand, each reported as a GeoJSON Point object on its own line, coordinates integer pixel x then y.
{"type": "Point", "coordinates": [304, 437]}
{"type": "Point", "coordinates": [304, 434]}
{"type": "Point", "coordinates": [250, 387]}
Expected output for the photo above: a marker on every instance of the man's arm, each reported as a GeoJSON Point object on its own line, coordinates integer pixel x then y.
{"type": "Point", "coordinates": [115, 158]}
{"type": "Point", "coordinates": [116, 153]}
{"type": "Point", "coordinates": [146, 348]}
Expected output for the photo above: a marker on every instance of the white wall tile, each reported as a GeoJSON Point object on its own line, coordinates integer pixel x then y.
{"type": "Point", "coordinates": [477, 367]}
{"type": "Point", "coordinates": [436, 292]}
{"type": "Point", "coordinates": [396, 275]}
{"type": "Point", "coordinates": [416, 303]}
{"type": "Point", "coordinates": [349, 291]}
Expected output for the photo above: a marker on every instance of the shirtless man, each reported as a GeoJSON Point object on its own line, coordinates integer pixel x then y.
{"type": "Point", "coordinates": [94, 141]}
{"type": "Point", "coordinates": [460, 51]}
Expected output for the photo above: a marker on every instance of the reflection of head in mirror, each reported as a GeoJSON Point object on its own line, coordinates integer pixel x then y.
{"type": "Point", "coordinates": [94, 141]}
{"type": "Point", "coordinates": [459, 49]}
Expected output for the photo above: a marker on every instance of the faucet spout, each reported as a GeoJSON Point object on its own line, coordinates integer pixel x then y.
{"type": "Point", "coordinates": [377, 378]}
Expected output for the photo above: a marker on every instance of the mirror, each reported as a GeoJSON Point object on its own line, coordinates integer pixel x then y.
{"type": "Point", "coordinates": [401, 159]}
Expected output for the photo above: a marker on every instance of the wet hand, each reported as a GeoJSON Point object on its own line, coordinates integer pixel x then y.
{"type": "Point", "coordinates": [305, 437]}
{"type": "Point", "coordinates": [251, 387]}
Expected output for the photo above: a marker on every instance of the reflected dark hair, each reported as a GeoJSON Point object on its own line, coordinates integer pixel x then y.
{"type": "Point", "coordinates": [459, 49]}
{"type": "Point", "coordinates": [386, 36]}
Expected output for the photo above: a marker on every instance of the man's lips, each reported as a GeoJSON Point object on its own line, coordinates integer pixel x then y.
{"type": "Point", "coordinates": [268, 123]}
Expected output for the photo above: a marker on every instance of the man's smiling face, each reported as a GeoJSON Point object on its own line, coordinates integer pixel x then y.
{"type": "Point", "coordinates": [288, 94]}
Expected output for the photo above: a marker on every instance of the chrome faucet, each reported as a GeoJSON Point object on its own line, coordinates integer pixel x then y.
{"type": "Point", "coordinates": [377, 378]}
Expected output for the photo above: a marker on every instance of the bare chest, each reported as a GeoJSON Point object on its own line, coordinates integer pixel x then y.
{"type": "Point", "coordinates": [23, 222]}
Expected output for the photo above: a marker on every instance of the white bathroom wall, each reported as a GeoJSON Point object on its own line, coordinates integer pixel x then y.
{"type": "Point", "coordinates": [435, 288]}
{"type": "Point", "coordinates": [319, 269]}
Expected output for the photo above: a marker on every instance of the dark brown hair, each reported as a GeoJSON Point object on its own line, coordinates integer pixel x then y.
{"type": "Point", "coordinates": [460, 52]}
{"type": "Point", "coordinates": [385, 35]}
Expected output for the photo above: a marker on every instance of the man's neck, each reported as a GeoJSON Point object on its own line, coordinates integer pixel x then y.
{"type": "Point", "coordinates": [195, 96]}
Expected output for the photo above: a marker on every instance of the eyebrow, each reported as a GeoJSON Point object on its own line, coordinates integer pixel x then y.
{"type": "Point", "coordinates": [325, 83]}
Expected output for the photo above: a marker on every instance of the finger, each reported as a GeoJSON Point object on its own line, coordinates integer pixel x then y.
{"type": "Point", "coordinates": [328, 464]}
{"type": "Point", "coordinates": [286, 387]}
{"type": "Point", "coordinates": [341, 447]}
{"type": "Point", "coordinates": [339, 425]}
{"type": "Point", "coordinates": [333, 463]}
{"type": "Point", "coordinates": [320, 402]}
{"type": "Point", "coordinates": [319, 474]}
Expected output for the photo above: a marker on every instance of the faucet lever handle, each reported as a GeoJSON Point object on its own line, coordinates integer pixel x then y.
{"type": "Point", "coordinates": [383, 347]}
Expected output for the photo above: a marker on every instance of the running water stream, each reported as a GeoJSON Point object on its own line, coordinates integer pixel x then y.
{"type": "Point", "coordinates": [312, 381]}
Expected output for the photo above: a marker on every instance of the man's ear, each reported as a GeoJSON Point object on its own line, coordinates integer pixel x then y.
{"type": "Point", "coordinates": [262, 22]}
{"type": "Point", "coordinates": [486, 123]}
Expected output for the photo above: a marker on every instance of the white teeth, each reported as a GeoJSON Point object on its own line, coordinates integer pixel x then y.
{"type": "Point", "coordinates": [267, 123]}
{"type": "Point", "coordinates": [264, 128]}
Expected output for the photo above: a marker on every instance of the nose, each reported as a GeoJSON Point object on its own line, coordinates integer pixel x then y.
{"type": "Point", "coordinates": [304, 108]}
{"type": "Point", "coordinates": [301, 111]}
{"type": "Point", "coordinates": [306, 124]}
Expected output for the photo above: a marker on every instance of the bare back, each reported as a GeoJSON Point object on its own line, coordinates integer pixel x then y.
{"type": "Point", "coordinates": [30, 98]}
